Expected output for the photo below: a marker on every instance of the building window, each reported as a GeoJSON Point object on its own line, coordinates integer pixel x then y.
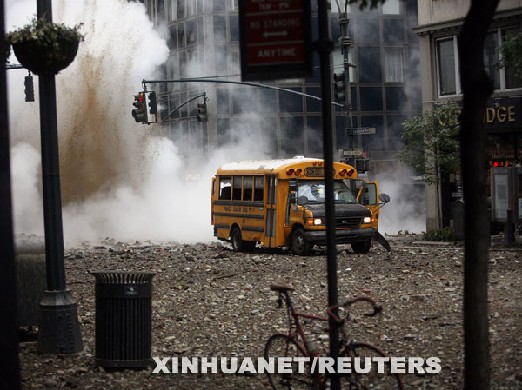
{"type": "Point", "coordinates": [369, 65]}
{"type": "Point", "coordinates": [491, 58]}
{"type": "Point", "coordinates": [447, 66]}
{"type": "Point", "coordinates": [447, 60]}
{"type": "Point", "coordinates": [391, 7]}
{"type": "Point", "coordinates": [220, 28]}
{"type": "Point", "coordinates": [393, 65]}
{"type": "Point", "coordinates": [233, 5]}
{"type": "Point", "coordinates": [173, 10]}
{"type": "Point", "coordinates": [181, 9]}
{"type": "Point", "coordinates": [511, 81]}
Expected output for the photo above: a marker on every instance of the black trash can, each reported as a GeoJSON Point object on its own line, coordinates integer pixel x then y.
{"type": "Point", "coordinates": [123, 319]}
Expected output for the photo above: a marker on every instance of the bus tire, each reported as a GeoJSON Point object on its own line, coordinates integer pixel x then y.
{"type": "Point", "coordinates": [361, 246]}
{"type": "Point", "coordinates": [238, 244]}
{"type": "Point", "coordinates": [298, 243]}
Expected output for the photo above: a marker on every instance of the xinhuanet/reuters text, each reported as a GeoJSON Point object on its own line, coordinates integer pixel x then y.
{"type": "Point", "coordinates": [301, 364]}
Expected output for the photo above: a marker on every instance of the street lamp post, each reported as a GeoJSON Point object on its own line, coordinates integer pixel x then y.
{"type": "Point", "coordinates": [58, 326]}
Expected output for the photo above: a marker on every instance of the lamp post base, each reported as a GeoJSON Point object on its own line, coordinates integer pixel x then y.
{"type": "Point", "coordinates": [58, 326]}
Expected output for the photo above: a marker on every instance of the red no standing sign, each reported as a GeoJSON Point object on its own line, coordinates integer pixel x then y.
{"type": "Point", "coordinates": [275, 39]}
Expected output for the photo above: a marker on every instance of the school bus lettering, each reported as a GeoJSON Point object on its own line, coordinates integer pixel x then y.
{"type": "Point", "coordinates": [280, 203]}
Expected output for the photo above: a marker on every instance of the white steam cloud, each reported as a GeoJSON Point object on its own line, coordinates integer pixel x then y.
{"type": "Point", "coordinates": [119, 178]}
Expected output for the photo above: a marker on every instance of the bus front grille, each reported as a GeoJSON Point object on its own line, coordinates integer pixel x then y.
{"type": "Point", "coordinates": [347, 222]}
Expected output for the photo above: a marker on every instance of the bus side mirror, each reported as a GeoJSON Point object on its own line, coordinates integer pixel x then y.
{"type": "Point", "coordinates": [384, 198]}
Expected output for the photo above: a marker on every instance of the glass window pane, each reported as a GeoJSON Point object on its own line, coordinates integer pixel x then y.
{"type": "Point", "coordinates": [192, 32]}
{"type": "Point", "coordinates": [220, 29]}
{"type": "Point", "coordinates": [393, 65]}
{"type": "Point", "coordinates": [181, 9]}
{"type": "Point", "coordinates": [236, 187]}
{"type": "Point", "coordinates": [395, 98]}
{"type": "Point", "coordinates": [373, 141]}
{"type": "Point", "coordinates": [247, 188]}
{"type": "Point", "coordinates": [293, 136]}
{"type": "Point", "coordinates": [223, 131]}
{"type": "Point", "coordinates": [367, 31]}
{"type": "Point", "coordinates": [491, 58]}
{"type": "Point", "coordinates": [289, 102]}
{"type": "Point", "coordinates": [512, 81]}
{"type": "Point", "coordinates": [393, 31]}
{"type": "Point", "coordinates": [222, 101]}
{"type": "Point", "coordinates": [446, 58]}
{"type": "Point", "coordinates": [234, 28]}
{"type": "Point", "coordinates": [315, 136]}
{"type": "Point", "coordinates": [259, 188]}
{"type": "Point", "coordinates": [370, 61]}
{"type": "Point", "coordinates": [371, 98]}
{"type": "Point", "coordinates": [391, 7]}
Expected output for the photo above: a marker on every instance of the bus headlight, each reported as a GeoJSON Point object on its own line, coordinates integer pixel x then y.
{"type": "Point", "coordinates": [318, 221]}
{"type": "Point", "coordinates": [367, 219]}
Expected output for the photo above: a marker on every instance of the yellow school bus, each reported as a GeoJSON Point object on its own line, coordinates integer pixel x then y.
{"type": "Point", "coordinates": [281, 203]}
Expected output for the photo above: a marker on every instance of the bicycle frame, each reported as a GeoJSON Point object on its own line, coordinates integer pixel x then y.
{"type": "Point", "coordinates": [296, 329]}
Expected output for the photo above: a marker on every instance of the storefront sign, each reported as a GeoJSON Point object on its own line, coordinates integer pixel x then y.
{"type": "Point", "coordinates": [504, 114]}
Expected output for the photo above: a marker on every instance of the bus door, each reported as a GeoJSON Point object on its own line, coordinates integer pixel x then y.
{"type": "Point", "coordinates": [271, 211]}
{"type": "Point", "coordinates": [368, 197]}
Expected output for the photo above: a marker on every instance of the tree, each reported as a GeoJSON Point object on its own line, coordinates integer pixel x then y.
{"type": "Point", "coordinates": [511, 51]}
{"type": "Point", "coordinates": [431, 145]}
{"type": "Point", "coordinates": [476, 88]}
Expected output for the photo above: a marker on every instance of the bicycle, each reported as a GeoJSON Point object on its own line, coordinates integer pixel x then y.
{"type": "Point", "coordinates": [295, 344]}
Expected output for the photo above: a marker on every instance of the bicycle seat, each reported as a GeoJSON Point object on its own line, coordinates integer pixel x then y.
{"type": "Point", "coordinates": [281, 287]}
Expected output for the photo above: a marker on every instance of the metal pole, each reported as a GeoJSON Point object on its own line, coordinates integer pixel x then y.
{"type": "Point", "coordinates": [58, 327]}
{"type": "Point", "coordinates": [324, 47]}
{"type": "Point", "coordinates": [9, 362]}
{"type": "Point", "coordinates": [345, 46]}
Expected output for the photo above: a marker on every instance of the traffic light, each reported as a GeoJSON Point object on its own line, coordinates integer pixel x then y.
{"type": "Point", "coordinates": [140, 112]}
{"type": "Point", "coordinates": [202, 112]}
{"type": "Point", "coordinates": [153, 103]}
{"type": "Point", "coordinates": [339, 92]}
{"type": "Point", "coordinates": [29, 90]}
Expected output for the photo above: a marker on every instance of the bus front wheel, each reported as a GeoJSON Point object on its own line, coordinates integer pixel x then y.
{"type": "Point", "coordinates": [299, 245]}
{"type": "Point", "coordinates": [362, 246]}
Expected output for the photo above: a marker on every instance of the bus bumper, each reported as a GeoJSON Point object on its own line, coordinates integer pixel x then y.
{"type": "Point", "coordinates": [318, 237]}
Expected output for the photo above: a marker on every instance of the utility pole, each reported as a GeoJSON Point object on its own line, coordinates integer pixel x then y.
{"type": "Point", "coordinates": [58, 326]}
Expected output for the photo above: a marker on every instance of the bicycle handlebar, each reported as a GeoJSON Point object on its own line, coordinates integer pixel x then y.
{"type": "Point", "coordinates": [377, 309]}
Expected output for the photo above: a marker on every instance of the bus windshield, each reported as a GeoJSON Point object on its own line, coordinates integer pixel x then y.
{"type": "Point", "coordinates": [313, 191]}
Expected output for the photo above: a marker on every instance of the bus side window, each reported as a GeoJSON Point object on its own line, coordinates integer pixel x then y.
{"type": "Point", "coordinates": [237, 183]}
{"type": "Point", "coordinates": [247, 188]}
{"type": "Point", "coordinates": [225, 188]}
{"type": "Point", "coordinates": [259, 188]}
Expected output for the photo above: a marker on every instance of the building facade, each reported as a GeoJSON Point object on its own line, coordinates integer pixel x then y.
{"type": "Point", "coordinates": [203, 37]}
{"type": "Point", "coordinates": [440, 22]}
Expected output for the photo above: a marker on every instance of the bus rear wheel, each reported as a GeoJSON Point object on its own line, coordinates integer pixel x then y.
{"type": "Point", "coordinates": [238, 245]}
{"type": "Point", "coordinates": [298, 243]}
{"type": "Point", "coordinates": [362, 246]}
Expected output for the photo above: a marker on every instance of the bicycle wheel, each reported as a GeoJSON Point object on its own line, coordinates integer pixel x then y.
{"type": "Point", "coordinates": [280, 345]}
{"type": "Point", "coordinates": [373, 379]}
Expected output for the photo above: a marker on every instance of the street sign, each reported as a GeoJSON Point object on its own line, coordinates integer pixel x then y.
{"type": "Point", "coordinates": [355, 152]}
{"type": "Point", "coordinates": [363, 130]}
{"type": "Point", "coordinates": [275, 39]}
